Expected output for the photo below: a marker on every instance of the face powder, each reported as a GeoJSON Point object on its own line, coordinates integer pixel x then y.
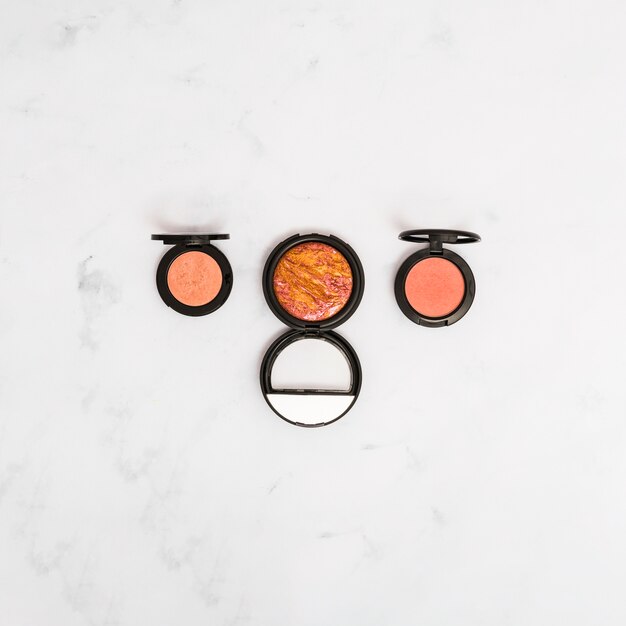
{"type": "Point", "coordinates": [312, 281]}
{"type": "Point", "coordinates": [310, 375]}
{"type": "Point", "coordinates": [434, 287]}
{"type": "Point", "coordinates": [194, 278]}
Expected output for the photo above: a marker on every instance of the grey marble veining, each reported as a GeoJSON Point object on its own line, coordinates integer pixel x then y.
{"type": "Point", "coordinates": [479, 479]}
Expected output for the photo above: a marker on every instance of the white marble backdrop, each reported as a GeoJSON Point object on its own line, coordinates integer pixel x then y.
{"type": "Point", "coordinates": [480, 479]}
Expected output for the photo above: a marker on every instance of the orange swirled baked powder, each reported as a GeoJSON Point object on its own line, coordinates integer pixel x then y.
{"type": "Point", "coordinates": [313, 281]}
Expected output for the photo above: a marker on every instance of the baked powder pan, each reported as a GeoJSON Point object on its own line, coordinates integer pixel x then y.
{"type": "Point", "coordinates": [311, 376]}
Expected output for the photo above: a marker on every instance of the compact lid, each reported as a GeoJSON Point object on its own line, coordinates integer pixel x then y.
{"type": "Point", "coordinates": [438, 236]}
{"type": "Point", "coordinates": [190, 239]}
{"type": "Point", "coordinates": [310, 379]}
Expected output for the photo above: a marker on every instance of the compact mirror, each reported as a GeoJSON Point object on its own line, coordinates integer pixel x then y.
{"type": "Point", "coordinates": [310, 379]}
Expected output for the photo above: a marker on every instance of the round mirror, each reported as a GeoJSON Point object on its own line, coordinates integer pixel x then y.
{"type": "Point", "coordinates": [310, 379]}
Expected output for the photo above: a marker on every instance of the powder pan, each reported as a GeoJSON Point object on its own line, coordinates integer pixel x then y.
{"type": "Point", "coordinates": [356, 294]}
{"type": "Point", "coordinates": [188, 294]}
{"type": "Point", "coordinates": [448, 285]}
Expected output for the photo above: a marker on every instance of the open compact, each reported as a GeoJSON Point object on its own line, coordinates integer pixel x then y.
{"type": "Point", "coordinates": [434, 286]}
{"type": "Point", "coordinates": [194, 277]}
{"type": "Point", "coordinates": [311, 376]}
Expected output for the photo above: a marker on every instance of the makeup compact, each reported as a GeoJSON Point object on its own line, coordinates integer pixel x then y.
{"type": "Point", "coordinates": [194, 277]}
{"type": "Point", "coordinates": [311, 376]}
{"type": "Point", "coordinates": [434, 286]}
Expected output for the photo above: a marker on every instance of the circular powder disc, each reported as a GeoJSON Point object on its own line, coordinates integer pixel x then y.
{"type": "Point", "coordinates": [312, 281]}
{"type": "Point", "coordinates": [194, 278]}
{"type": "Point", "coordinates": [434, 287]}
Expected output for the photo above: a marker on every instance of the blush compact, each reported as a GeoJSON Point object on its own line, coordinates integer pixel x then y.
{"type": "Point", "coordinates": [434, 286]}
{"type": "Point", "coordinates": [311, 376]}
{"type": "Point", "coordinates": [194, 277]}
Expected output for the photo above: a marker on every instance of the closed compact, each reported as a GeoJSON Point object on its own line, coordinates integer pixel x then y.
{"type": "Point", "coordinates": [194, 277]}
{"type": "Point", "coordinates": [434, 286]}
{"type": "Point", "coordinates": [311, 376]}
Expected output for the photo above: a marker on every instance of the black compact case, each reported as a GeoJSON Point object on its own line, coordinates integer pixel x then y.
{"type": "Point", "coordinates": [181, 245]}
{"type": "Point", "coordinates": [435, 238]}
{"type": "Point", "coordinates": [305, 330]}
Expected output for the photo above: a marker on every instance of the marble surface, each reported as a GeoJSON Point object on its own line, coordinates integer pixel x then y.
{"type": "Point", "coordinates": [480, 478]}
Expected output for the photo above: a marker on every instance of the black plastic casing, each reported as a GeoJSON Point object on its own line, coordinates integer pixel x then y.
{"type": "Point", "coordinates": [287, 339]}
{"type": "Point", "coordinates": [303, 329]}
{"type": "Point", "coordinates": [436, 238]}
{"type": "Point", "coordinates": [185, 243]}
{"type": "Point", "coordinates": [358, 282]}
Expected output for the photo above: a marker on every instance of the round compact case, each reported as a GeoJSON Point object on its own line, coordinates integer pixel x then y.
{"type": "Point", "coordinates": [194, 277]}
{"type": "Point", "coordinates": [435, 287]}
{"type": "Point", "coordinates": [311, 376]}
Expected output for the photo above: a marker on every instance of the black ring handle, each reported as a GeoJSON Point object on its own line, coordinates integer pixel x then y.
{"type": "Point", "coordinates": [188, 238]}
{"type": "Point", "coordinates": [426, 235]}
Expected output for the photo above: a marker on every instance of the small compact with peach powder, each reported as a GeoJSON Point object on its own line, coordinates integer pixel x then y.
{"type": "Point", "coordinates": [311, 376]}
{"type": "Point", "coordinates": [194, 277]}
{"type": "Point", "coordinates": [435, 287]}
